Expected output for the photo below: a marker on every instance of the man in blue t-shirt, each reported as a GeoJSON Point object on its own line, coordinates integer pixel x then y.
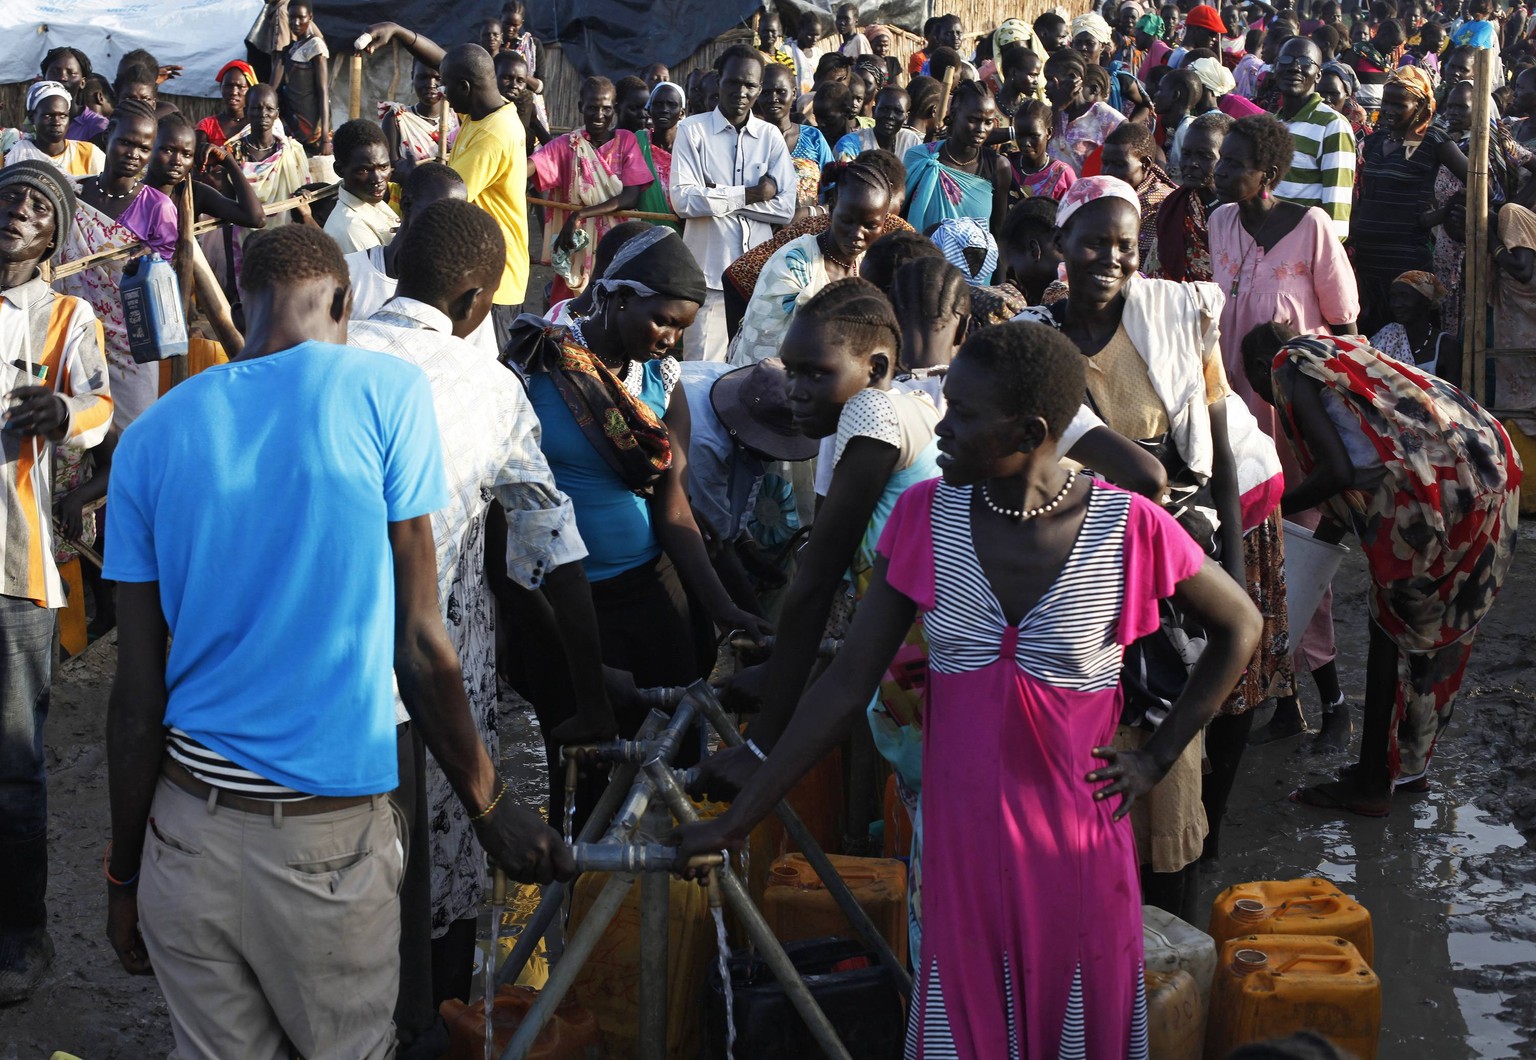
{"type": "Point", "coordinates": [271, 526]}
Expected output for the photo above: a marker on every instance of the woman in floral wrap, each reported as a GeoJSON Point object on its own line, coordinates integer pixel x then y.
{"type": "Point", "coordinates": [1427, 480]}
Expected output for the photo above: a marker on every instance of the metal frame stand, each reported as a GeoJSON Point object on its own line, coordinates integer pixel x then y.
{"type": "Point", "coordinates": [646, 788]}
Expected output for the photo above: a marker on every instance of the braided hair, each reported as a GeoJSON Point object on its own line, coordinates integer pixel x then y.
{"type": "Point", "coordinates": [1035, 108]}
{"type": "Point", "coordinates": [926, 291]}
{"type": "Point", "coordinates": [890, 252]}
{"type": "Point", "coordinates": [133, 107]}
{"type": "Point", "coordinates": [55, 54]}
{"type": "Point", "coordinates": [925, 92]}
{"type": "Point", "coordinates": [976, 92]}
{"type": "Point", "coordinates": [856, 313]}
{"type": "Point", "coordinates": [839, 175]}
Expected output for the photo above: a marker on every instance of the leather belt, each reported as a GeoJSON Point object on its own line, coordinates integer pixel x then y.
{"type": "Point", "coordinates": [179, 775]}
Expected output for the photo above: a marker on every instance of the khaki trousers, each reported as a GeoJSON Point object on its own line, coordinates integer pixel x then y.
{"type": "Point", "coordinates": [272, 934]}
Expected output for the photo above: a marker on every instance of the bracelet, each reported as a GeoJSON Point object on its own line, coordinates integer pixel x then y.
{"type": "Point", "coordinates": [752, 746]}
{"type": "Point", "coordinates": [483, 814]}
{"type": "Point", "coordinates": [105, 858]}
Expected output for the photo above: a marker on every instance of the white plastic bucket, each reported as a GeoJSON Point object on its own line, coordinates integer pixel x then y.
{"type": "Point", "coordinates": [1310, 565]}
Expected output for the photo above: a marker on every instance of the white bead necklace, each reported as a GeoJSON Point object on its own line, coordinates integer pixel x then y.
{"type": "Point", "coordinates": [1030, 513]}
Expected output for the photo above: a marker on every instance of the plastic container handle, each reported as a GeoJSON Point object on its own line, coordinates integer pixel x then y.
{"type": "Point", "coordinates": [1323, 903]}
{"type": "Point", "coordinates": [1317, 958]}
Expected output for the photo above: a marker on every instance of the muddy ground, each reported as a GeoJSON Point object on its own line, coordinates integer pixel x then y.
{"type": "Point", "coordinates": [1450, 876]}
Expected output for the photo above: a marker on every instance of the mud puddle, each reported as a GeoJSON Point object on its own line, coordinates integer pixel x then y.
{"type": "Point", "coordinates": [1450, 875]}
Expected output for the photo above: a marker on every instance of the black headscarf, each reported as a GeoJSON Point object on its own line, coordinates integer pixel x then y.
{"type": "Point", "coordinates": [656, 263]}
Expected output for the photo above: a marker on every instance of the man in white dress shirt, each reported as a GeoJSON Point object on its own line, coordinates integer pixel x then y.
{"type": "Point", "coordinates": [732, 180]}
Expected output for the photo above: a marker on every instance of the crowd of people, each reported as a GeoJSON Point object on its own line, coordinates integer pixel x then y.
{"type": "Point", "coordinates": [1000, 364]}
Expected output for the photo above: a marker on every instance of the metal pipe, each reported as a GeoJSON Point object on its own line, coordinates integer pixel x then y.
{"type": "Point", "coordinates": [655, 899]}
{"type": "Point", "coordinates": [830, 879]}
{"type": "Point", "coordinates": [662, 698]}
{"type": "Point", "coordinates": [628, 817]}
{"type": "Point", "coordinates": [553, 898]}
{"type": "Point", "coordinates": [757, 928]}
{"type": "Point", "coordinates": [826, 649]}
{"type": "Point", "coordinates": [635, 858]}
{"type": "Point", "coordinates": [610, 751]}
{"type": "Point", "coordinates": [562, 975]}
{"type": "Point", "coordinates": [667, 743]}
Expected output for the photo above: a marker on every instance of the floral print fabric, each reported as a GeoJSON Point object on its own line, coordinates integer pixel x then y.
{"type": "Point", "coordinates": [1438, 530]}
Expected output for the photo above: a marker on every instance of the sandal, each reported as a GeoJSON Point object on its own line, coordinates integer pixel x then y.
{"type": "Point", "coordinates": [1339, 796]}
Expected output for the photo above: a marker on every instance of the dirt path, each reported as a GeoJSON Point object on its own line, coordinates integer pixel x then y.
{"type": "Point", "coordinates": [1450, 877]}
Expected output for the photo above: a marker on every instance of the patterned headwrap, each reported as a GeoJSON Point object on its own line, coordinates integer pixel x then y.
{"type": "Point", "coordinates": [1346, 75]}
{"type": "Point", "coordinates": [1091, 189]}
{"type": "Point", "coordinates": [1094, 25]}
{"type": "Point", "coordinates": [240, 65]}
{"type": "Point", "coordinates": [1012, 31]}
{"type": "Point", "coordinates": [956, 235]}
{"type": "Point", "coordinates": [1419, 87]}
{"type": "Point", "coordinates": [874, 33]}
{"type": "Point", "coordinates": [875, 67]}
{"type": "Point", "coordinates": [1152, 25]}
{"type": "Point", "coordinates": [1426, 283]}
{"type": "Point", "coordinates": [45, 90]}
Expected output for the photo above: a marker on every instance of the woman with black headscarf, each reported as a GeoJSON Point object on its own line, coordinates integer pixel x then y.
{"type": "Point", "coordinates": [615, 432]}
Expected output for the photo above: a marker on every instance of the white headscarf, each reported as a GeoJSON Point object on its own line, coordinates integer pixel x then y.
{"type": "Point", "coordinates": [1213, 75]}
{"type": "Point", "coordinates": [43, 90]}
{"type": "Point", "coordinates": [681, 95]}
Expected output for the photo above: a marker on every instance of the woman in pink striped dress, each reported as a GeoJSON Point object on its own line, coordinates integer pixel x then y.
{"type": "Point", "coordinates": [1029, 580]}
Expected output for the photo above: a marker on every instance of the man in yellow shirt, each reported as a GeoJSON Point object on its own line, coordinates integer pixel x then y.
{"type": "Point", "coordinates": [490, 153]}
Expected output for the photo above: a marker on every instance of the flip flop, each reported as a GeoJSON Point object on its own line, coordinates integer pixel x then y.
{"type": "Point", "coordinates": [1319, 797]}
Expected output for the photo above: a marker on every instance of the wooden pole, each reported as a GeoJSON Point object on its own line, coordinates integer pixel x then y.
{"type": "Point", "coordinates": [442, 129]}
{"type": "Point", "coordinates": [355, 106]}
{"type": "Point", "coordinates": [950, 77]}
{"type": "Point", "coordinates": [133, 249]}
{"type": "Point", "coordinates": [636, 215]}
{"type": "Point", "coordinates": [186, 264]}
{"type": "Point", "coordinates": [1478, 261]}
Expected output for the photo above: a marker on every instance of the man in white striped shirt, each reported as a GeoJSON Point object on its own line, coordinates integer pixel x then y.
{"type": "Point", "coordinates": [1323, 167]}
{"type": "Point", "coordinates": [449, 262]}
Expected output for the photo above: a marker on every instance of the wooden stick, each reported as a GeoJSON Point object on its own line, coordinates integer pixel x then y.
{"type": "Point", "coordinates": [355, 107]}
{"type": "Point", "coordinates": [186, 265]}
{"type": "Point", "coordinates": [123, 253]}
{"type": "Point", "coordinates": [950, 77]}
{"type": "Point", "coordinates": [210, 298]}
{"type": "Point", "coordinates": [638, 215]}
{"type": "Point", "coordinates": [442, 129]}
{"type": "Point", "coordinates": [1478, 261]}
